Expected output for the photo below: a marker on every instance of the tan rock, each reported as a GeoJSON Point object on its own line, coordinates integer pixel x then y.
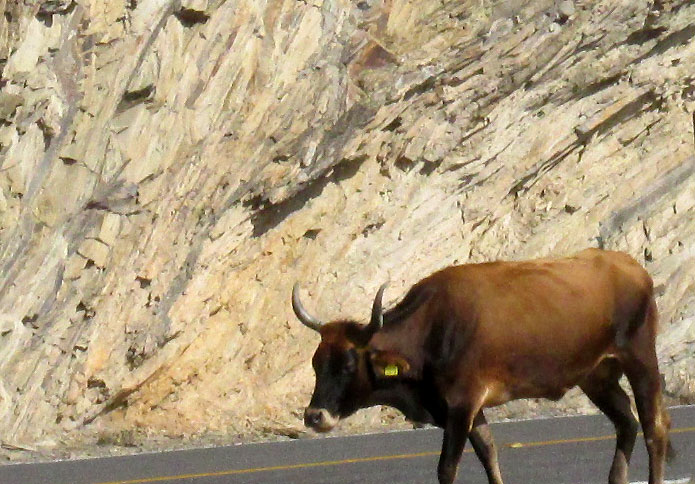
{"type": "Point", "coordinates": [95, 251]}
{"type": "Point", "coordinates": [167, 172]}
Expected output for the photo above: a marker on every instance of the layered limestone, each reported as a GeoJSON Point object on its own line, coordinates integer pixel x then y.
{"type": "Point", "coordinates": [168, 169]}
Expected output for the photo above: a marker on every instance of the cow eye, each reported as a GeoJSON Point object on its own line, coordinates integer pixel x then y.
{"type": "Point", "coordinates": [350, 364]}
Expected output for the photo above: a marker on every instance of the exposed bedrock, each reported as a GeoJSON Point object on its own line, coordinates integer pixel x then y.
{"type": "Point", "coordinates": [168, 169]}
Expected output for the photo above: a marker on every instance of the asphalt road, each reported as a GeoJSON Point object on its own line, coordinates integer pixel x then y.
{"type": "Point", "coordinates": [568, 450]}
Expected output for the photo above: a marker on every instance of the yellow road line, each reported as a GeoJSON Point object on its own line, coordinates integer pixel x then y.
{"type": "Point", "coordinates": [232, 472]}
{"type": "Point", "coordinates": [329, 463]}
{"type": "Point", "coordinates": [518, 445]}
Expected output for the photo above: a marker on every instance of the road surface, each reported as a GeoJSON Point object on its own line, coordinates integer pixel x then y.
{"type": "Point", "coordinates": [567, 450]}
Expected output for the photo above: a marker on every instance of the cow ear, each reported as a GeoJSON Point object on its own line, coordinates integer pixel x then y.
{"type": "Point", "coordinates": [389, 364]}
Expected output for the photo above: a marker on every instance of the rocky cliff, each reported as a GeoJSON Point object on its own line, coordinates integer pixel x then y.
{"type": "Point", "coordinates": [169, 168]}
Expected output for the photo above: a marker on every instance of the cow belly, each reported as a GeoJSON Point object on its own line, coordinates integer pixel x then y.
{"type": "Point", "coordinates": [541, 363]}
{"type": "Point", "coordinates": [537, 376]}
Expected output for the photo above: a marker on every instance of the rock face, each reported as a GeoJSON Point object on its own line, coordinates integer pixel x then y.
{"type": "Point", "coordinates": [168, 169]}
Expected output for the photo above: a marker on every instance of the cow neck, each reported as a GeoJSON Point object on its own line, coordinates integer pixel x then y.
{"type": "Point", "coordinates": [416, 399]}
{"type": "Point", "coordinates": [406, 339]}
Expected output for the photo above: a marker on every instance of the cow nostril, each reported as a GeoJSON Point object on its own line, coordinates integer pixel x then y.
{"type": "Point", "coordinates": [313, 417]}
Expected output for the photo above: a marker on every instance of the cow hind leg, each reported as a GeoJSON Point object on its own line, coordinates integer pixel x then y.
{"type": "Point", "coordinates": [642, 369]}
{"type": "Point", "coordinates": [485, 449]}
{"type": "Point", "coordinates": [603, 389]}
{"type": "Point", "coordinates": [646, 386]}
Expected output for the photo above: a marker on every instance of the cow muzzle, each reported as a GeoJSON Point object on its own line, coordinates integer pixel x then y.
{"type": "Point", "coordinates": [319, 419]}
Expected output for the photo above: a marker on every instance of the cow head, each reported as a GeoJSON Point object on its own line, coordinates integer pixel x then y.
{"type": "Point", "coordinates": [341, 363]}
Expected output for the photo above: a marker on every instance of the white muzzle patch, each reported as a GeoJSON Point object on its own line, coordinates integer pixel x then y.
{"type": "Point", "coordinates": [320, 419]}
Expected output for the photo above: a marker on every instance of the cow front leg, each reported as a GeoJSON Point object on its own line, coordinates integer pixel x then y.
{"type": "Point", "coordinates": [456, 431]}
{"type": "Point", "coordinates": [485, 449]}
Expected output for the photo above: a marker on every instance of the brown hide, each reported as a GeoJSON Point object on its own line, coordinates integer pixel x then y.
{"type": "Point", "coordinates": [479, 335]}
{"type": "Point", "coordinates": [507, 330]}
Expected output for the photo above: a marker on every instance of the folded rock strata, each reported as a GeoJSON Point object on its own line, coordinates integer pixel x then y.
{"type": "Point", "coordinates": [168, 169]}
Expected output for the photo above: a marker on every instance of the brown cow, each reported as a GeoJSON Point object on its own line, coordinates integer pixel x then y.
{"type": "Point", "coordinates": [479, 335]}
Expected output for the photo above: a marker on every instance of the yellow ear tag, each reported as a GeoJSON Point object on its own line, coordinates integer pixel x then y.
{"type": "Point", "coordinates": [390, 370]}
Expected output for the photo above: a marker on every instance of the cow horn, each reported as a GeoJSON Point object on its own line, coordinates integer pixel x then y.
{"type": "Point", "coordinates": [377, 311]}
{"type": "Point", "coordinates": [304, 317]}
